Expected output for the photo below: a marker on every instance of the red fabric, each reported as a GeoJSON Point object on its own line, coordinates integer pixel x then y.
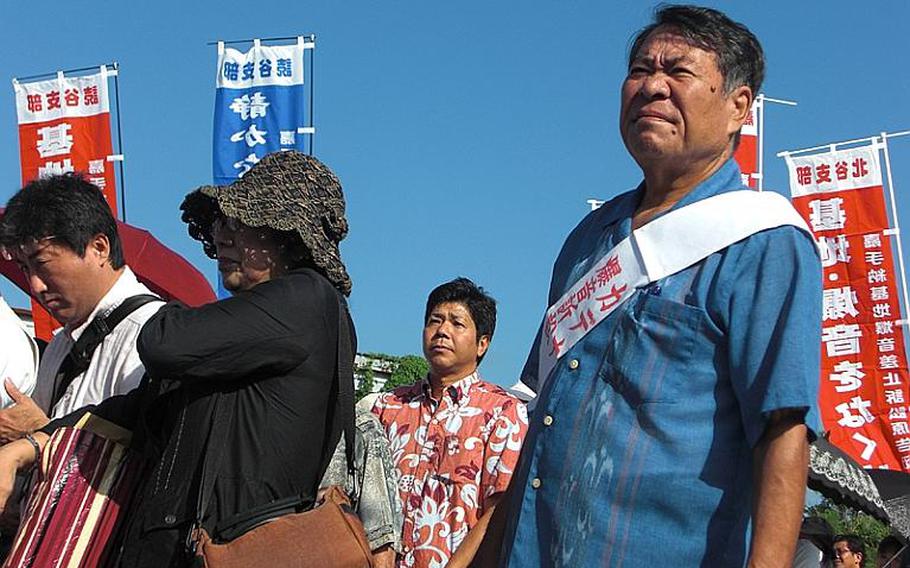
{"type": "Point", "coordinates": [91, 137]}
{"type": "Point", "coordinates": [746, 157]}
{"type": "Point", "coordinates": [89, 142]}
{"type": "Point", "coordinates": [75, 509]}
{"type": "Point", "coordinates": [863, 389]}
{"type": "Point", "coordinates": [452, 456]}
{"type": "Point", "coordinates": [746, 154]}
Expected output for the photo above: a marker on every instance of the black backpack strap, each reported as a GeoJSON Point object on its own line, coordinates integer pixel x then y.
{"type": "Point", "coordinates": [80, 355]}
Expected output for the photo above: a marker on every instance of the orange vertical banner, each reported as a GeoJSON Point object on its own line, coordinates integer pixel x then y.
{"type": "Point", "coordinates": [64, 126]}
{"type": "Point", "coordinates": [746, 154]}
{"type": "Point", "coordinates": [863, 390]}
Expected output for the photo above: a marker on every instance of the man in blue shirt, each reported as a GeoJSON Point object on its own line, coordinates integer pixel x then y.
{"type": "Point", "coordinates": [680, 419]}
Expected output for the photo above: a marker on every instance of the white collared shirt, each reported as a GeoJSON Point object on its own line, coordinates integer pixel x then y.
{"type": "Point", "coordinates": [115, 367]}
{"type": "Point", "coordinates": [18, 354]}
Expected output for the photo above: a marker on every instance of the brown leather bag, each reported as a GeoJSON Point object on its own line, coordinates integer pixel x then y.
{"type": "Point", "coordinates": [330, 535]}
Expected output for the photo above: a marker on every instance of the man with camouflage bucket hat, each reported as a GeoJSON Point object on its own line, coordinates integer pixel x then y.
{"type": "Point", "coordinates": [267, 355]}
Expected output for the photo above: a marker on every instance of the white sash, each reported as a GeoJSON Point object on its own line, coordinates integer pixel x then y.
{"type": "Point", "coordinates": [654, 251]}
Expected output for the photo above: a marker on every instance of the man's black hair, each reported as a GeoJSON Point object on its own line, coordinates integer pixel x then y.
{"type": "Point", "coordinates": [818, 531]}
{"type": "Point", "coordinates": [65, 207]}
{"type": "Point", "coordinates": [740, 57]}
{"type": "Point", "coordinates": [891, 545]}
{"type": "Point", "coordinates": [480, 305]}
{"type": "Point", "coordinates": [854, 543]}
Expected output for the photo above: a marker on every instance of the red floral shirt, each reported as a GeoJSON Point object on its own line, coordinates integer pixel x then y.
{"type": "Point", "coordinates": [452, 455]}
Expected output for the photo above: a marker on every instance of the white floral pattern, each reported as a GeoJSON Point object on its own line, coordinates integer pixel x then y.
{"type": "Point", "coordinates": [451, 456]}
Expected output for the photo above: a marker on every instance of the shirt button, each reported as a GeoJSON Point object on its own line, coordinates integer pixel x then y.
{"type": "Point", "coordinates": [535, 483]}
{"type": "Point", "coordinates": [170, 519]}
{"type": "Point", "coordinates": [573, 364]}
{"type": "Point", "coordinates": [547, 420]}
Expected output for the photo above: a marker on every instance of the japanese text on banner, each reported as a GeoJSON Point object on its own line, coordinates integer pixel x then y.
{"type": "Point", "coordinates": [863, 391]}
{"type": "Point", "coordinates": [746, 154]}
{"type": "Point", "coordinates": [65, 126]}
{"type": "Point", "coordinates": [259, 106]}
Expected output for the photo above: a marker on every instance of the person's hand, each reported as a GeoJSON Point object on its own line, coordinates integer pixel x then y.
{"type": "Point", "coordinates": [13, 457]}
{"type": "Point", "coordinates": [22, 417]}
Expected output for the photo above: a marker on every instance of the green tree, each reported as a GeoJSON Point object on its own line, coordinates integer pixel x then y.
{"type": "Point", "coordinates": [845, 520]}
{"type": "Point", "coordinates": [409, 370]}
{"type": "Point", "coordinates": [365, 385]}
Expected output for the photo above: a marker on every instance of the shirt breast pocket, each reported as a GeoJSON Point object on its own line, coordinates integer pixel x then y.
{"type": "Point", "coordinates": [650, 352]}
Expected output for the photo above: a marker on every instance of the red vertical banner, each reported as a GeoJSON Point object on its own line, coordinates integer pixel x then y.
{"type": "Point", "coordinates": [64, 126]}
{"type": "Point", "coordinates": [746, 154]}
{"type": "Point", "coordinates": [863, 389]}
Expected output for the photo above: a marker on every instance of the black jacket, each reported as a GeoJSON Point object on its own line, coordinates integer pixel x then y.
{"type": "Point", "coordinates": [273, 350]}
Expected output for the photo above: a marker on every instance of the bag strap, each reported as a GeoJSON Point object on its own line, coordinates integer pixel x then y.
{"type": "Point", "coordinates": [216, 443]}
{"type": "Point", "coordinates": [80, 356]}
{"type": "Point", "coordinates": [345, 376]}
{"type": "Point", "coordinates": [215, 448]}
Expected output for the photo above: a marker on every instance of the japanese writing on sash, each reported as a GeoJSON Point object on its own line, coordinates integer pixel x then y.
{"type": "Point", "coordinates": [587, 302]}
{"type": "Point", "coordinates": [654, 251]}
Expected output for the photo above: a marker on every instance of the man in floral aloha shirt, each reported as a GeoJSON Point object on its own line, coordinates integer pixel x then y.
{"type": "Point", "coordinates": [455, 438]}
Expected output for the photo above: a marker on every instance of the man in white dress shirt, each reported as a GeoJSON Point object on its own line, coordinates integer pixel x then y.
{"type": "Point", "coordinates": [18, 354]}
{"type": "Point", "coordinates": [61, 232]}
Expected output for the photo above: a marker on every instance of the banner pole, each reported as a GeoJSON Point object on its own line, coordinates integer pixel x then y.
{"type": "Point", "coordinates": [826, 146]}
{"type": "Point", "coordinates": [779, 101]}
{"type": "Point", "coordinates": [312, 134]}
{"type": "Point", "coordinates": [276, 38]}
{"type": "Point", "coordinates": [761, 141]}
{"type": "Point", "coordinates": [65, 72]}
{"type": "Point", "coordinates": [116, 67]}
{"type": "Point", "coordinates": [897, 228]}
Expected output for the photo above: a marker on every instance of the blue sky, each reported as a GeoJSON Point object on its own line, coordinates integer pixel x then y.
{"type": "Point", "coordinates": [467, 135]}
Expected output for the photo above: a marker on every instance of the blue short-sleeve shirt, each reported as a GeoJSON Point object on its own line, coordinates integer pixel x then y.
{"type": "Point", "coordinates": [640, 446]}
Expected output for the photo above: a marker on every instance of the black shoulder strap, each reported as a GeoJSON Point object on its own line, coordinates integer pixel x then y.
{"type": "Point", "coordinates": [80, 355]}
{"type": "Point", "coordinates": [216, 444]}
{"type": "Point", "coordinates": [345, 376]}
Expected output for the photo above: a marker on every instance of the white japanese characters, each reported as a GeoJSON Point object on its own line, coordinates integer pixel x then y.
{"type": "Point", "coordinates": [64, 126]}
{"type": "Point", "coordinates": [259, 104]}
{"type": "Point", "coordinates": [864, 366]}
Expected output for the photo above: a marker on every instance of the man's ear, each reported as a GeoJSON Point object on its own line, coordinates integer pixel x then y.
{"type": "Point", "coordinates": [99, 247]}
{"type": "Point", "coordinates": [482, 345]}
{"type": "Point", "coordinates": [740, 103]}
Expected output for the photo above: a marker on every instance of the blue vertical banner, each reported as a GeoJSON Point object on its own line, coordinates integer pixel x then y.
{"type": "Point", "coordinates": [259, 106]}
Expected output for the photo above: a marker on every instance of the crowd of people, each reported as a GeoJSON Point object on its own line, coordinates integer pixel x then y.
{"type": "Point", "coordinates": [818, 546]}
{"type": "Point", "coordinates": [676, 369]}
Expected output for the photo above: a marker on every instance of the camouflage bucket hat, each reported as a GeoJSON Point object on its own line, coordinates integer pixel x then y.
{"type": "Point", "coordinates": [285, 191]}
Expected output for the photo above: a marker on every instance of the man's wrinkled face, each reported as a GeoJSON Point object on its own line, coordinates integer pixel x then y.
{"type": "Point", "coordinates": [450, 342]}
{"type": "Point", "coordinates": [247, 256]}
{"type": "Point", "coordinates": [65, 284]}
{"type": "Point", "coordinates": [674, 105]}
